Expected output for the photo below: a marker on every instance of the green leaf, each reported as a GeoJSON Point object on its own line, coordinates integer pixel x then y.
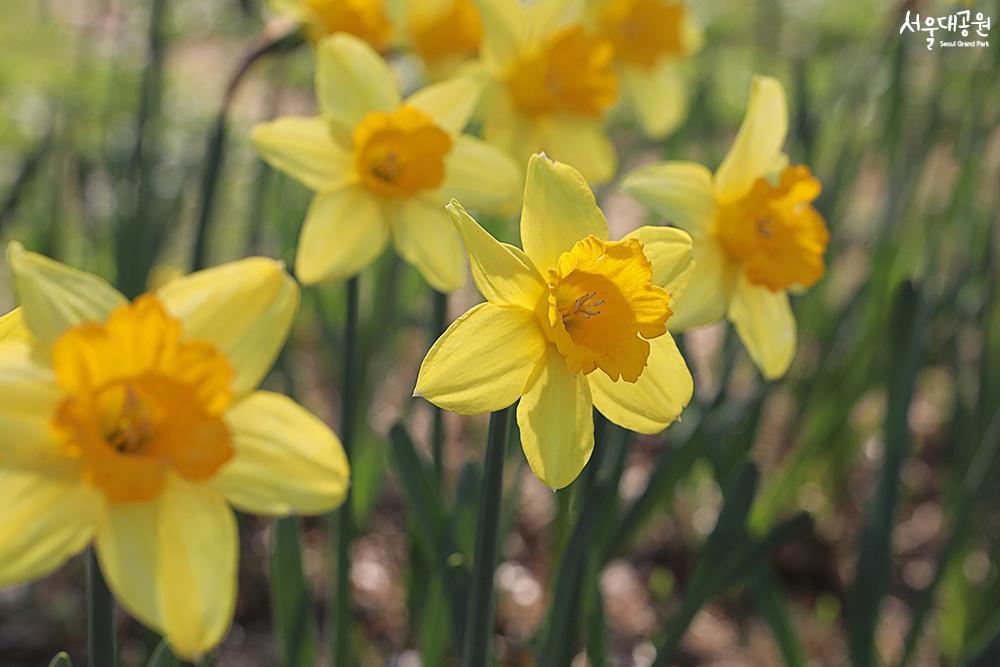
{"type": "Point", "coordinates": [875, 551]}
{"type": "Point", "coordinates": [163, 656]}
{"type": "Point", "coordinates": [294, 623]}
{"type": "Point", "coordinates": [772, 607]}
{"type": "Point", "coordinates": [61, 659]}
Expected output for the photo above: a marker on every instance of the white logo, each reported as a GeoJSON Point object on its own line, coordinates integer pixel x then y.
{"type": "Point", "coordinates": [958, 23]}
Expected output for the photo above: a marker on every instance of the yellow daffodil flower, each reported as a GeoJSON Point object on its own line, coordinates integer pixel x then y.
{"type": "Point", "coordinates": [134, 426]}
{"type": "Point", "coordinates": [369, 20]}
{"type": "Point", "coordinates": [756, 233]}
{"type": "Point", "coordinates": [572, 322]}
{"type": "Point", "coordinates": [550, 84]}
{"type": "Point", "coordinates": [444, 33]}
{"type": "Point", "coordinates": [652, 39]}
{"type": "Point", "coordinates": [384, 166]}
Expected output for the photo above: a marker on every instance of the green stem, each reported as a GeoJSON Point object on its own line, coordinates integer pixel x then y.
{"type": "Point", "coordinates": [439, 323]}
{"type": "Point", "coordinates": [215, 154]}
{"type": "Point", "coordinates": [344, 518]}
{"type": "Point", "coordinates": [479, 630]}
{"type": "Point", "coordinates": [101, 641]}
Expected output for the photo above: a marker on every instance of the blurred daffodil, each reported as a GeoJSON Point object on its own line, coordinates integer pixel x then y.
{"type": "Point", "coordinates": [444, 33]}
{"type": "Point", "coordinates": [382, 166]}
{"type": "Point", "coordinates": [755, 231]}
{"type": "Point", "coordinates": [573, 322]}
{"type": "Point", "coordinates": [366, 19]}
{"type": "Point", "coordinates": [652, 39]}
{"type": "Point", "coordinates": [135, 426]}
{"type": "Point", "coordinates": [551, 81]}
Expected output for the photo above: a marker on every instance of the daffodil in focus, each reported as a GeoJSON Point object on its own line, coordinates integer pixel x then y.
{"type": "Point", "coordinates": [756, 234]}
{"type": "Point", "coordinates": [137, 427]}
{"type": "Point", "coordinates": [383, 167]}
{"type": "Point", "coordinates": [551, 81]}
{"type": "Point", "coordinates": [443, 33]}
{"type": "Point", "coordinates": [572, 322]}
{"type": "Point", "coordinates": [366, 19]}
{"type": "Point", "coordinates": [652, 39]}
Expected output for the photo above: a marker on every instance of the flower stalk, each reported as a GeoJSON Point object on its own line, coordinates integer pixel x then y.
{"type": "Point", "coordinates": [343, 521]}
{"type": "Point", "coordinates": [479, 632]}
{"type": "Point", "coordinates": [101, 634]}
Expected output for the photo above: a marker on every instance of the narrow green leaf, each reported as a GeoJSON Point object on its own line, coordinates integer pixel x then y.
{"type": "Point", "coordinates": [61, 660]}
{"type": "Point", "coordinates": [875, 550]}
{"type": "Point", "coordinates": [163, 656]}
{"type": "Point", "coordinates": [294, 623]}
{"type": "Point", "coordinates": [772, 607]}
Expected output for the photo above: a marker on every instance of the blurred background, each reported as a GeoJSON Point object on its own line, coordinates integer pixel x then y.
{"type": "Point", "coordinates": [847, 514]}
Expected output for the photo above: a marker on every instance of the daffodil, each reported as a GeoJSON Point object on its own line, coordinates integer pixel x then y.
{"type": "Point", "coordinates": [137, 426]}
{"type": "Point", "coordinates": [756, 234]}
{"type": "Point", "coordinates": [572, 322]}
{"type": "Point", "coordinates": [652, 39]}
{"type": "Point", "coordinates": [550, 83]}
{"type": "Point", "coordinates": [369, 20]}
{"type": "Point", "coordinates": [444, 33]}
{"type": "Point", "coordinates": [383, 166]}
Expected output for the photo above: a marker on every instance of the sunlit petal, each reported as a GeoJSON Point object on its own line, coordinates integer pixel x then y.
{"type": "Point", "coordinates": [559, 210]}
{"type": "Point", "coordinates": [766, 325]}
{"type": "Point", "coordinates": [286, 460]}
{"type": "Point", "coordinates": [304, 149]}
{"type": "Point", "coordinates": [426, 238]}
{"type": "Point", "coordinates": [245, 309]}
{"type": "Point", "coordinates": [681, 192]}
{"type": "Point", "coordinates": [656, 399]}
{"type": "Point", "coordinates": [483, 361]}
{"type": "Point", "coordinates": [555, 417]}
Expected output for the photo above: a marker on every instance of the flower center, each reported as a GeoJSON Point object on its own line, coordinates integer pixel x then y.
{"type": "Point", "coordinates": [602, 308]}
{"type": "Point", "coordinates": [366, 19]}
{"type": "Point", "coordinates": [455, 32]}
{"type": "Point", "coordinates": [572, 72]}
{"type": "Point", "coordinates": [140, 402]}
{"type": "Point", "coordinates": [644, 30]}
{"type": "Point", "coordinates": [774, 232]}
{"type": "Point", "coordinates": [399, 154]}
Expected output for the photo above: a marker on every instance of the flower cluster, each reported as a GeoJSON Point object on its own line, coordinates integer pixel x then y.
{"type": "Point", "coordinates": [137, 426]}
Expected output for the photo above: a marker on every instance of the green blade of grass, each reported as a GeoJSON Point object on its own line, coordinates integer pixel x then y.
{"type": "Point", "coordinates": [772, 607]}
{"type": "Point", "coordinates": [294, 623]}
{"type": "Point", "coordinates": [875, 551]}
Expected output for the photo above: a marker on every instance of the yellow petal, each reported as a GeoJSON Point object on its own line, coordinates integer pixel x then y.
{"type": "Point", "coordinates": [352, 79]}
{"type": "Point", "coordinates": [709, 287]}
{"type": "Point", "coordinates": [196, 567]}
{"type": "Point", "coordinates": [653, 402]}
{"type": "Point", "coordinates": [304, 149]}
{"type": "Point", "coordinates": [766, 325]}
{"type": "Point", "coordinates": [29, 397]}
{"type": "Point", "coordinates": [559, 210]}
{"type": "Point", "coordinates": [483, 361]}
{"type": "Point", "coordinates": [556, 420]}
{"type": "Point", "coordinates": [580, 142]}
{"type": "Point", "coordinates": [244, 308]}
{"type": "Point", "coordinates": [55, 297]}
{"type": "Point", "coordinates": [44, 520]}
{"type": "Point", "coordinates": [656, 95]}
{"type": "Point", "coordinates": [503, 24]}
{"type": "Point", "coordinates": [344, 232]}
{"type": "Point", "coordinates": [681, 192]}
{"type": "Point", "coordinates": [503, 274]}
{"type": "Point", "coordinates": [758, 143]}
{"type": "Point", "coordinates": [426, 238]}
{"type": "Point", "coordinates": [669, 251]}
{"type": "Point", "coordinates": [480, 176]}
{"type": "Point", "coordinates": [128, 547]}
{"type": "Point", "coordinates": [13, 328]}
{"type": "Point", "coordinates": [449, 103]}
{"type": "Point", "coordinates": [286, 460]}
